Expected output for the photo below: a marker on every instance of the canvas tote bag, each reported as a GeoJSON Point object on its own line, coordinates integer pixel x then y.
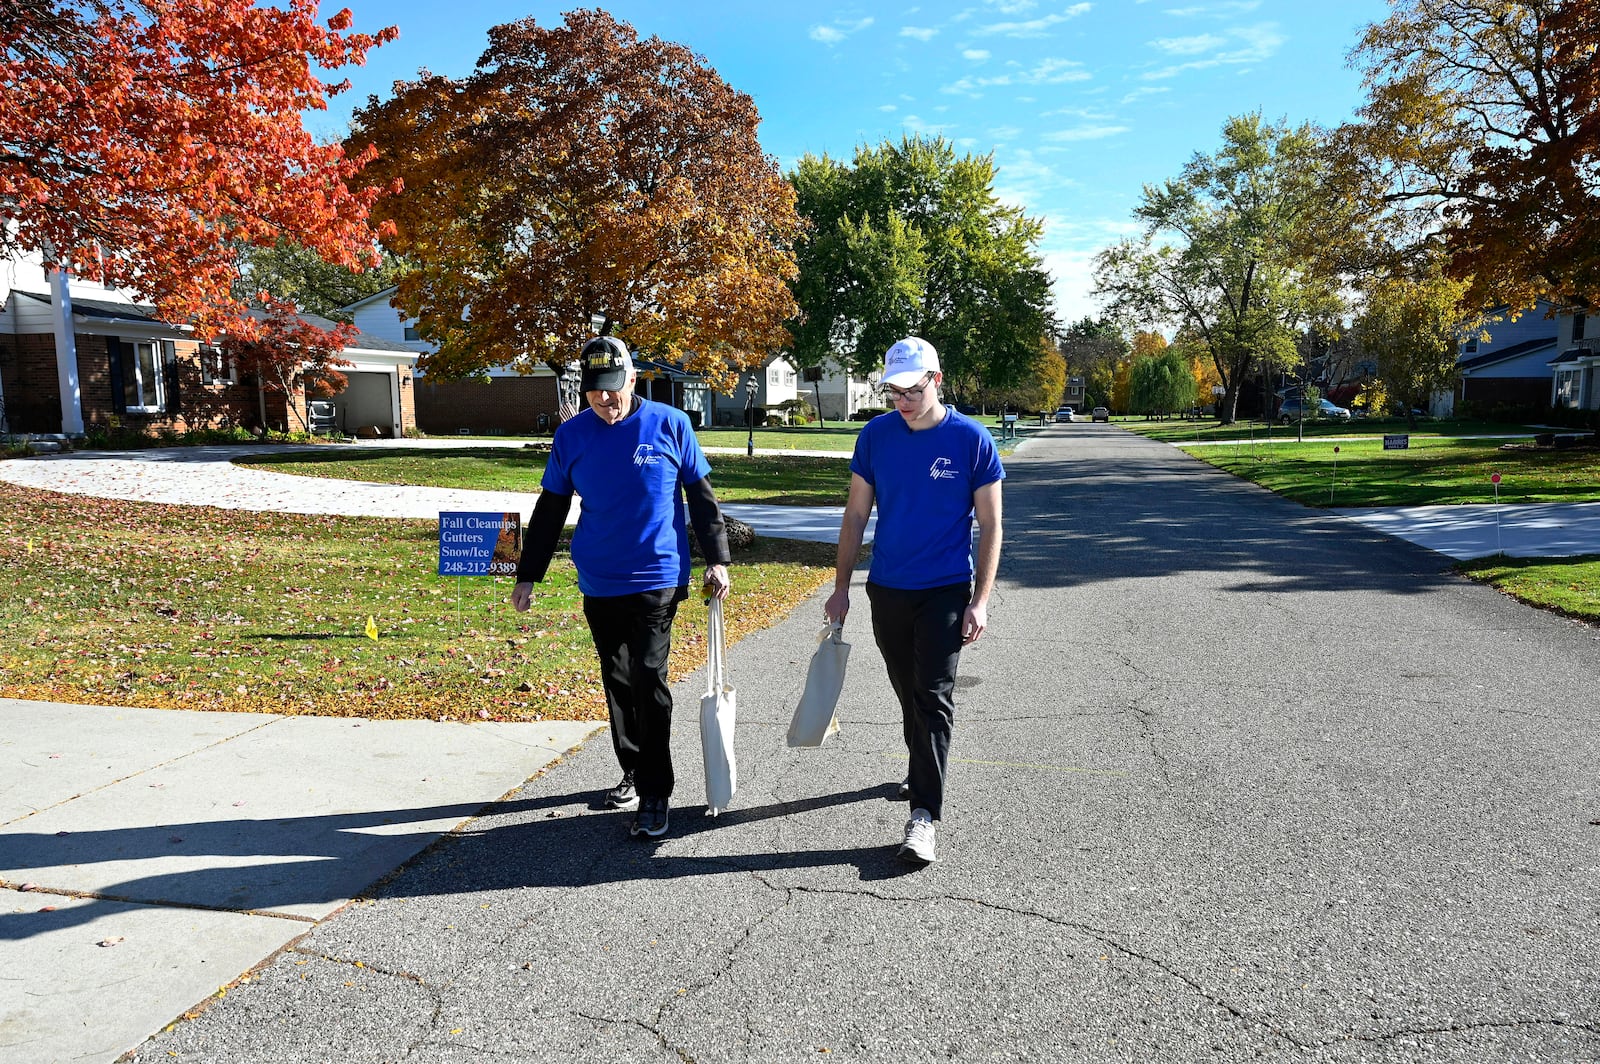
{"type": "Point", "coordinates": [716, 717]}
{"type": "Point", "coordinates": [814, 717]}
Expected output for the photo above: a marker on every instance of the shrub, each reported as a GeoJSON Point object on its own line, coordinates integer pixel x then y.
{"type": "Point", "coordinates": [867, 413]}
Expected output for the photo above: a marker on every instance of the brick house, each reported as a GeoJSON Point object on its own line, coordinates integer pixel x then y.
{"type": "Point", "coordinates": [502, 401]}
{"type": "Point", "coordinates": [505, 400]}
{"type": "Point", "coordinates": [77, 357]}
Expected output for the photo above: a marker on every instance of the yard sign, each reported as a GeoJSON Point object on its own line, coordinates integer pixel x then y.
{"type": "Point", "coordinates": [479, 544]}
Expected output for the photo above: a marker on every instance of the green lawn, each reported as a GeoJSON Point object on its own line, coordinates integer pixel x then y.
{"type": "Point", "coordinates": [1432, 471]}
{"type": "Point", "coordinates": [1570, 586]}
{"type": "Point", "coordinates": [793, 480]}
{"type": "Point", "coordinates": [835, 436]}
{"type": "Point", "coordinates": [123, 603]}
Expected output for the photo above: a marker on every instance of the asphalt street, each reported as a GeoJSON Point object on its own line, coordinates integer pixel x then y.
{"type": "Point", "coordinates": [1231, 779]}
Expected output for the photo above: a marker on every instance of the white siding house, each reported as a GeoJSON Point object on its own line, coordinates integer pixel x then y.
{"type": "Point", "coordinates": [1576, 370]}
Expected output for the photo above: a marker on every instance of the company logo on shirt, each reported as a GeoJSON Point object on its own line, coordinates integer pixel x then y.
{"type": "Point", "coordinates": [645, 454]}
{"type": "Point", "coordinates": [943, 469]}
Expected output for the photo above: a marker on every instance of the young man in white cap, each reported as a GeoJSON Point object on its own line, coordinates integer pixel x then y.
{"type": "Point", "coordinates": [634, 463]}
{"type": "Point", "coordinates": [930, 470]}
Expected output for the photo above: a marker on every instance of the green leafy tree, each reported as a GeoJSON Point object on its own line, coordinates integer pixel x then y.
{"type": "Point", "coordinates": [1413, 326]}
{"type": "Point", "coordinates": [1161, 384]}
{"type": "Point", "coordinates": [294, 273]}
{"type": "Point", "coordinates": [1093, 348]}
{"type": "Point", "coordinates": [1220, 256]}
{"type": "Point", "coordinates": [1040, 389]}
{"type": "Point", "coordinates": [909, 239]}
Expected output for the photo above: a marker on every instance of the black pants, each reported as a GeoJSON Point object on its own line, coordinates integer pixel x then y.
{"type": "Point", "coordinates": [919, 633]}
{"type": "Point", "coordinates": [633, 636]}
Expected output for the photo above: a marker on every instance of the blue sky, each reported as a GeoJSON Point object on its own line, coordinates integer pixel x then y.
{"type": "Point", "coordinates": [1081, 104]}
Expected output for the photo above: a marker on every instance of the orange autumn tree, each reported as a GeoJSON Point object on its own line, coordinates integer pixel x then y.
{"type": "Point", "coordinates": [143, 142]}
{"type": "Point", "coordinates": [578, 171]}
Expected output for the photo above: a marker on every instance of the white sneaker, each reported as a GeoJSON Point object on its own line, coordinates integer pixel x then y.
{"type": "Point", "coordinates": [918, 847]}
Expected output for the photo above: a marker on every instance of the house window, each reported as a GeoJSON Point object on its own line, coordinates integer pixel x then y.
{"type": "Point", "coordinates": [1469, 347]}
{"type": "Point", "coordinates": [411, 333]}
{"type": "Point", "coordinates": [774, 376]}
{"type": "Point", "coordinates": [1566, 388]}
{"type": "Point", "coordinates": [143, 386]}
{"type": "Point", "coordinates": [215, 369]}
{"type": "Point", "coordinates": [1578, 323]}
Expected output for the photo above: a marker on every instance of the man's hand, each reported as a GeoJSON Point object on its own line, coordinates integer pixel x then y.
{"type": "Point", "coordinates": [716, 582]}
{"type": "Point", "coordinates": [522, 596]}
{"type": "Point", "coordinates": [837, 606]}
{"type": "Point", "coordinates": [973, 622]}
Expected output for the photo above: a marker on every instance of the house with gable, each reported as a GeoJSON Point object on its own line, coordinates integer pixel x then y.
{"type": "Point", "coordinates": [1511, 368]}
{"type": "Point", "coordinates": [509, 399]}
{"type": "Point", "coordinates": [76, 356]}
{"type": "Point", "coordinates": [502, 401]}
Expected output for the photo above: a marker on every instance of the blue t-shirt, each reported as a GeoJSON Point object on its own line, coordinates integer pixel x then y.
{"type": "Point", "coordinates": [924, 484]}
{"type": "Point", "coordinates": [633, 530]}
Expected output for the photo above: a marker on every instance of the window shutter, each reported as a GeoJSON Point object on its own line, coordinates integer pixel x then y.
{"type": "Point", "coordinates": [169, 373]}
{"type": "Point", "coordinates": [116, 351]}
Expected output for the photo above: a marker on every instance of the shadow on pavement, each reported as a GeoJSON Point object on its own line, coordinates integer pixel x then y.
{"type": "Point", "coordinates": [1090, 518]}
{"type": "Point", "coordinates": [568, 846]}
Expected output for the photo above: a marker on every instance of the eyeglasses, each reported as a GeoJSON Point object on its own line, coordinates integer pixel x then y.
{"type": "Point", "coordinates": [913, 394]}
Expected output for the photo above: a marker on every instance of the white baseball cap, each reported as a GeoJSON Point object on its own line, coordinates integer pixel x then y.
{"type": "Point", "coordinates": [908, 361]}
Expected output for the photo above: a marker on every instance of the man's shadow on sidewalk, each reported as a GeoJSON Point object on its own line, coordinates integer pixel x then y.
{"type": "Point", "coordinates": [334, 857]}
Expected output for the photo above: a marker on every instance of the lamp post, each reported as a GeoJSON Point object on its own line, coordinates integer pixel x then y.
{"type": "Point", "coordinates": [750, 415]}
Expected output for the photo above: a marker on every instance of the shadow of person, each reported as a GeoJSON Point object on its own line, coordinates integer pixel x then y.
{"type": "Point", "coordinates": [550, 841]}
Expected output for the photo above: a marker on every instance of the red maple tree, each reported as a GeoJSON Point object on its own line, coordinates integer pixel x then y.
{"type": "Point", "coordinates": [142, 142]}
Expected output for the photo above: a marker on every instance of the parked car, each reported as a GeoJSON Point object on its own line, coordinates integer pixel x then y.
{"type": "Point", "coordinates": [1294, 408]}
{"type": "Point", "coordinates": [1100, 413]}
{"type": "Point", "coordinates": [1064, 413]}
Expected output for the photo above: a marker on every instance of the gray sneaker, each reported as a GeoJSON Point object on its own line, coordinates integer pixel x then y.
{"type": "Point", "coordinates": [918, 847]}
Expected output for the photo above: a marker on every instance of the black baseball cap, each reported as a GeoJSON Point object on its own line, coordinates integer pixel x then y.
{"type": "Point", "coordinates": [606, 365]}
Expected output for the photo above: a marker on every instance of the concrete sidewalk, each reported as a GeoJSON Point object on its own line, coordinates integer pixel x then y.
{"type": "Point", "coordinates": [1529, 530]}
{"type": "Point", "coordinates": [148, 857]}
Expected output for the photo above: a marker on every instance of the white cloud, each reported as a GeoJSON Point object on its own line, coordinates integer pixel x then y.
{"type": "Point", "coordinates": [1046, 72]}
{"type": "Point", "coordinates": [838, 31]}
{"type": "Point", "coordinates": [976, 55]}
{"type": "Point", "coordinates": [1082, 133]}
{"type": "Point", "coordinates": [1252, 45]}
{"type": "Point", "coordinates": [1144, 91]}
{"type": "Point", "coordinates": [1012, 7]}
{"type": "Point", "coordinates": [1227, 9]}
{"type": "Point", "coordinates": [1005, 133]}
{"type": "Point", "coordinates": [916, 125]}
{"type": "Point", "coordinates": [888, 108]}
{"type": "Point", "coordinates": [921, 33]}
{"type": "Point", "coordinates": [1037, 27]}
{"type": "Point", "coordinates": [1205, 42]}
{"type": "Point", "coordinates": [1068, 249]}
